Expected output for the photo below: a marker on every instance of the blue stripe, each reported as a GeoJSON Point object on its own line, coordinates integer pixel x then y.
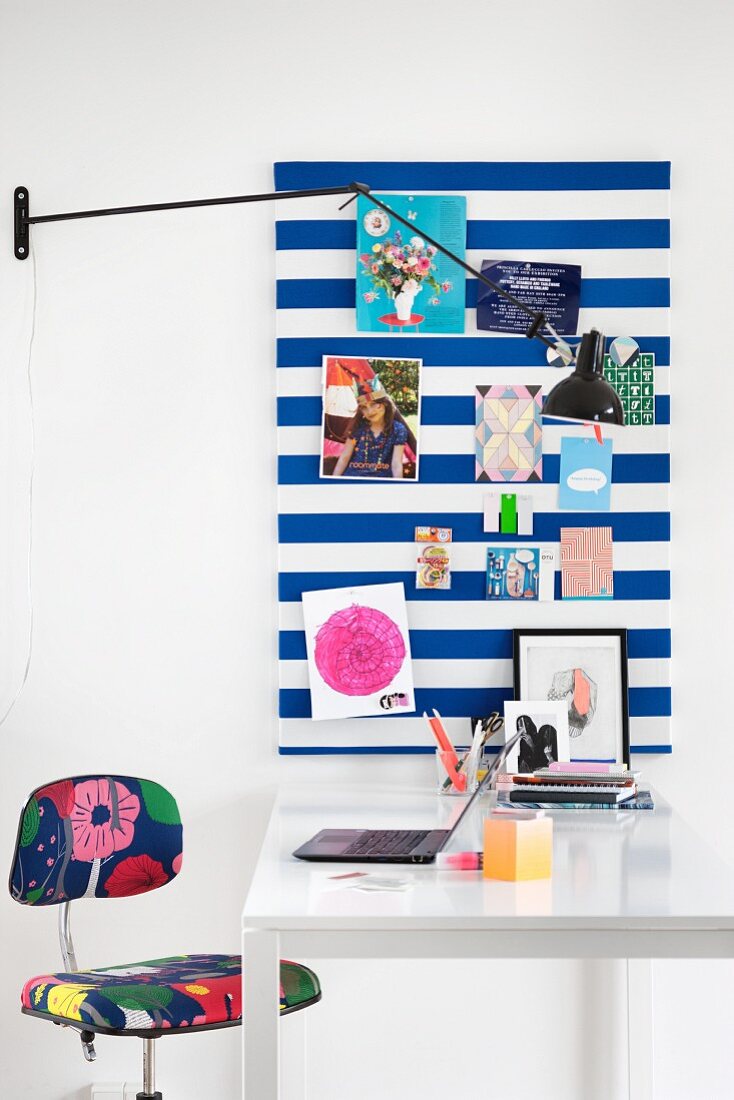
{"type": "Point", "coordinates": [648, 644]}
{"type": "Point", "coordinates": [411, 750]}
{"type": "Point", "coordinates": [649, 702]}
{"type": "Point", "coordinates": [595, 293]}
{"type": "Point", "coordinates": [508, 234]}
{"type": "Point", "coordinates": [459, 470]}
{"type": "Point", "coordinates": [623, 293]}
{"type": "Point", "coordinates": [462, 702]}
{"type": "Point", "coordinates": [468, 645]}
{"type": "Point", "coordinates": [461, 410]}
{"type": "Point", "coordinates": [467, 526]}
{"type": "Point", "coordinates": [615, 175]}
{"type": "Point", "coordinates": [301, 412]}
{"type": "Point", "coordinates": [446, 351]}
{"type": "Point", "coordinates": [630, 584]}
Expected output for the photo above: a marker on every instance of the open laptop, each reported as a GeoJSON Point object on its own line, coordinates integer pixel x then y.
{"type": "Point", "coordinates": [392, 845]}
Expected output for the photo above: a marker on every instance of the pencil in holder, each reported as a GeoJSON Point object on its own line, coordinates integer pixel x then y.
{"type": "Point", "coordinates": [446, 772]}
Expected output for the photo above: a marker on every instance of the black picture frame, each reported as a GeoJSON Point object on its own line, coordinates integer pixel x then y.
{"type": "Point", "coordinates": [622, 751]}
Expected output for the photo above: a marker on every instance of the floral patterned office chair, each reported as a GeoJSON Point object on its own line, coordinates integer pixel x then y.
{"type": "Point", "coordinates": [112, 836]}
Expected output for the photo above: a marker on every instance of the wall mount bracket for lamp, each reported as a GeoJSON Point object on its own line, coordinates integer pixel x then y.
{"type": "Point", "coordinates": [23, 222]}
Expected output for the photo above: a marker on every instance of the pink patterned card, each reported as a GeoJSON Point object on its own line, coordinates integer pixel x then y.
{"type": "Point", "coordinates": [586, 563]}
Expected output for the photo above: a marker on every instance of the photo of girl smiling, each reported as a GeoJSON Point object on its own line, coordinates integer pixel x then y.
{"type": "Point", "coordinates": [377, 440]}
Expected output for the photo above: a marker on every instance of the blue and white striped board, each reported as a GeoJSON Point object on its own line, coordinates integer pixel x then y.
{"type": "Point", "coordinates": [613, 219]}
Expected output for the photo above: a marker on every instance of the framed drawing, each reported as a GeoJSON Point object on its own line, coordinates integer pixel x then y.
{"type": "Point", "coordinates": [587, 669]}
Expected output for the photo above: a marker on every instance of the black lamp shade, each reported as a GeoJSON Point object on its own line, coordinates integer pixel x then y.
{"type": "Point", "coordinates": [586, 395]}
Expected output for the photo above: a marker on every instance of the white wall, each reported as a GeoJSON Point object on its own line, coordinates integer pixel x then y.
{"type": "Point", "coordinates": [153, 568]}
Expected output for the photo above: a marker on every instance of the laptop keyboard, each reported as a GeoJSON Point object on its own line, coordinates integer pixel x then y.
{"type": "Point", "coordinates": [386, 842]}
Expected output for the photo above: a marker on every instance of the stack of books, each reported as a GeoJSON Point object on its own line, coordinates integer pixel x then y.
{"type": "Point", "coordinates": [575, 786]}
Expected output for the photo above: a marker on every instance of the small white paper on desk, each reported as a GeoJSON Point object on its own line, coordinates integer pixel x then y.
{"type": "Point", "coordinates": [380, 882]}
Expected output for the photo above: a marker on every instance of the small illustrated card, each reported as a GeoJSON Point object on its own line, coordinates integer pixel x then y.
{"type": "Point", "coordinates": [586, 474]}
{"type": "Point", "coordinates": [358, 650]}
{"type": "Point", "coordinates": [508, 437]}
{"type": "Point", "coordinates": [587, 563]}
{"type": "Point", "coordinates": [520, 573]}
{"type": "Point", "coordinates": [543, 726]}
{"type": "Point", "coordinates": [433, 564]}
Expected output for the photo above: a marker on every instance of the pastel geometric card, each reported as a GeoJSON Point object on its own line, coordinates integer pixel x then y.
{"type": "Point", "coordinates": [587, 563]}
{"type": "Point", "coordinates": [508, 437]}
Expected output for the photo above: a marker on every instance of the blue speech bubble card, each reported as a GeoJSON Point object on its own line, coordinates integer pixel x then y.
{"type": "Point", "coordinates": [586, 475]}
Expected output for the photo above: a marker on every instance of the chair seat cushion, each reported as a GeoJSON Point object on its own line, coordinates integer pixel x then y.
{"type": "Point", "coordinates": [185, 991]}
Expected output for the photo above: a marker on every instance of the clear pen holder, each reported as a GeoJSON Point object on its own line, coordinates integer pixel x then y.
{"type": "Point", "coordinates": [444, 767]}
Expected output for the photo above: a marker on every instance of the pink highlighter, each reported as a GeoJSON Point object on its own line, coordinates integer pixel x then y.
{"type": "Point", "coordinates": [447, 753]}
{"type": "Point", "coordinates": [460, 861]}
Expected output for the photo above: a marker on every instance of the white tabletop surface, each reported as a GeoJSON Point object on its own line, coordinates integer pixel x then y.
{"type": "Point", "coordinates": [612, 869]}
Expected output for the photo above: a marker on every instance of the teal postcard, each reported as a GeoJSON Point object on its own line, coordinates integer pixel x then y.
{"type": "Point", "coordinates": [403, 282]}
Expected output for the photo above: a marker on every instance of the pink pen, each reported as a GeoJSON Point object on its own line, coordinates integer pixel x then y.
{"type": "Point", "coordinates": [460, 861]}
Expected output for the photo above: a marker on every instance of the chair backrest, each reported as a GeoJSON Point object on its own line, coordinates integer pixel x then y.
{"type": "Point", "coordinates": [95, 836]}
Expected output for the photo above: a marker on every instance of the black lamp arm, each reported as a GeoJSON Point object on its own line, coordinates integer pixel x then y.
{"type": "Point", "coordinates": [23, 222]}
{"type": "Point", "coordinates": [23, 219]}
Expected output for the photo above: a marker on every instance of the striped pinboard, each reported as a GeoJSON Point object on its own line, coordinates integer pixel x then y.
{"type": "Point", "coordinates": [613, 219]}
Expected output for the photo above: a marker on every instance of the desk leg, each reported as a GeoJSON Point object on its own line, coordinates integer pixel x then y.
{"type": "Point", "coordinates": [261, 1014]}
{"type": "Point", "coordinates": [640, 1046]}
{"type": "Point", "coordinates": [293, 1055]}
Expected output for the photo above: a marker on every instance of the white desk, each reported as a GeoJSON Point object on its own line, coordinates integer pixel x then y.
{"type": "Point", "coordinates": [634, 885]}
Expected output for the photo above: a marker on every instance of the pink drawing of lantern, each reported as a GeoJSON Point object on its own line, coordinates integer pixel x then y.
{"type": "Point", "coordinates": [359, 651]}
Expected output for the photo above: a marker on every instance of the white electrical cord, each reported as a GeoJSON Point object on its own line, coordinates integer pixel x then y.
{"type": "Point", "coordinates": [29, 376]}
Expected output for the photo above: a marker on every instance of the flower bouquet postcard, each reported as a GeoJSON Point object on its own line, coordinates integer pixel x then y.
{"type": "Point", "coordinates": [358, 651]}
{"type": "Point", "coordinates": [402, 281]}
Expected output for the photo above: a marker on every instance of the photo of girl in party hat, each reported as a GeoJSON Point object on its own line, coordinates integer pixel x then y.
{"type": "Point", "coordinates": [371, 417]}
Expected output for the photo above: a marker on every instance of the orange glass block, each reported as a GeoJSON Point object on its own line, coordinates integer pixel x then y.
{"type": "Point", "coordinates": [518, 850]}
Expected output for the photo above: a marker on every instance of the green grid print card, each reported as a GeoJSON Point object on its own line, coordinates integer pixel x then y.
{"type": "Point", "coordinates": [635, 386]}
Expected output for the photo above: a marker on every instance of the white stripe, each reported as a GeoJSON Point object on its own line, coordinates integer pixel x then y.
{"type": "Point", "coordinates": [334, 557]}
{"type": "Point", "coordinates": [456, 439]}
{"type": "Point", "coordinates": [300, 732]}
{"type": "Point", "coordinates": [435, 499]}
{"type": "Point", "coordinates": [501, 615]}
{"type": "Point", "coordinates": [485, 673]}
{"type": "Point", "coordinates": [330, 323]}
{"type": "Point", "coordinates": [509, 205]}
{"type": "Point", "coordinates": [450, 381]}
{"type": "Point", "coordinates": [596, 263]}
